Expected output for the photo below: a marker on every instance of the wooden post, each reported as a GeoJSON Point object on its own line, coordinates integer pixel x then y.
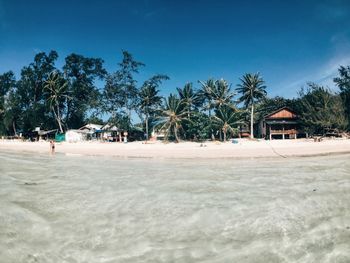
{"type": "Point", "coordinates": [270, 132]}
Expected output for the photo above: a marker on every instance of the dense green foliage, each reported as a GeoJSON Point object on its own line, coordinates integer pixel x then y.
{"type": "Point", "coordinates": [52, 98]}
{"type": "Point", "coordinates": [81, 74]}
{"type": "Point", "coordinates": [7, 100]}
{"type": "Point", "coordinates": [343, 82]}
{"type": "Point", "coordinates": [320, 110]}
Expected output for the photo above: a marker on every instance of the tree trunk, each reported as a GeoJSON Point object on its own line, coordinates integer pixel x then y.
{"type": "Point", "coordinates": [60, 125]}
{"type": "Point", "coordinates": [68, 113]}
{"type": "Point", "coordinates": [146, 127]}
{"type": "Point", "coordinates": [59, 120]}
{"type": "Point", "coordinates": [129, 115]}
{"type": "Point", "coordinates": [212, 133]}
{"type": "Point", "coordinates": [128, 108]}
{"type": "Point", "coordinates": [252, 122]}
{"type": "Point", "coordinates": [175, 133]}
{"type": "Point", "coordinates": [14, 128]}
{"type": "Point", "coordinates": [224, 132]}
{"type": "Point", "coordinates": [167, 134]}
{"type": "Point", "coordinates": [57, 117]}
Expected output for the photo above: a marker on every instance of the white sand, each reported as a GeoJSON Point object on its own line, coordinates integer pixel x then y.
{"type": "Point", "coordinates": [244, 149]}
{"type": "Point", "coordinates": [83, 209]}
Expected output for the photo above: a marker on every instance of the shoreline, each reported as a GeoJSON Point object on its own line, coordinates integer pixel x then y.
{"type": "Point", "coordinates": [189, 150]}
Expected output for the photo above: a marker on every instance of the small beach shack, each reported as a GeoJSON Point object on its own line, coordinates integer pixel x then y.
{"type": "Point", "coordinates": [92, 131]}
{"type": "Point", "coordinates": [110, 132]}
{"type": "Point", "coordinates": [280, 124]}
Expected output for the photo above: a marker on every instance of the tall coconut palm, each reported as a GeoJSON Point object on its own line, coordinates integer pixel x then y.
{"type": "Point", "coordinates": [189, 98]}
{"type": "Point", "coordinates": [205, 93]}
{"type": "Point", "coordinates": [223, 95]}
{"type": "Point", "coordinates": [149, 99]}
{"type": "Point", "coordinates": [252, 89]}
{"type": "Point", "coordinates": [56, 88]}
{"type": "Point", "coordinates": [228, 119]}
{"type": "Point", "coordinates": [216, 93]}
{"type": "Point", "coordinates": [172, 115]}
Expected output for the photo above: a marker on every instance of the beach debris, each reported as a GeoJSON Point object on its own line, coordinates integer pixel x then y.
{"type": "Point", "coordinates": [318, 138]}
{"type": "Point", "coordinates": [26, 183]}
{"type": "Point", "coordinates": [314, 190]}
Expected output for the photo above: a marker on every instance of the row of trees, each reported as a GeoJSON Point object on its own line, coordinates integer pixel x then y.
{"type": "Point", "coordinates": [51, 98]}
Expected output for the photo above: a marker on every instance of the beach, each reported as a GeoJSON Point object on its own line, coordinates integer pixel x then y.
{"type": "Point", "coordinates": [242, 149]}
{"type": "Point", "coordinates": [86, 209]}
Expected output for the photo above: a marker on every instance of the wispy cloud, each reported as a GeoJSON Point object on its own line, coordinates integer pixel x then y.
{"type": "Point", "coordinates": [331, 11]}
{"type": "Point", "coordinates": [326, 74]}
{"type": "Point", "coordinates": [323, 75]}
{"type": "Point", "coordinates": [326, 71]}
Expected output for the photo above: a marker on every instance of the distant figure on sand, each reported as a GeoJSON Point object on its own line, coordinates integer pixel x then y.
{"type": "Point", "coordinates": [52, 147]}
{"type": "Point", "coordinates": [125, 137]}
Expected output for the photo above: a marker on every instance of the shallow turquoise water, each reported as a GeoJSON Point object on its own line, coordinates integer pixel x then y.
{"type": "Point", "coordinates": [94, 209]}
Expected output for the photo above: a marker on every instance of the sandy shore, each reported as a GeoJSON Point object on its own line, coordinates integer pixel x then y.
{"type": "Point", "coordinates": [244, 149]}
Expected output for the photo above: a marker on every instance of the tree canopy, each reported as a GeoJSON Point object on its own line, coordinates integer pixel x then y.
{"type": "Point", "coordinates": [343, 82]}
{"type": "Point", "coordinates": [252, 89]}
{"type": "Point", "coordinates": [82, 91]}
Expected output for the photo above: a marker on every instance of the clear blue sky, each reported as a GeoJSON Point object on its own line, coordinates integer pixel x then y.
{"type": "Point", "coordinates": [289, 42]}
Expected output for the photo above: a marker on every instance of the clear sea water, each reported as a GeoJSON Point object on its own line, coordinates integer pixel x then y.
{"type": "Point", "coordinates": [95, 209]}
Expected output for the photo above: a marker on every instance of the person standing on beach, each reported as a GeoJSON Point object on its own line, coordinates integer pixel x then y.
{"type": "Point", "coordinates": [52, 147]}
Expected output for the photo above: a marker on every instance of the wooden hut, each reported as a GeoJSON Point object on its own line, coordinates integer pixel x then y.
{"type": "Point", "coordinates": [281, 124]}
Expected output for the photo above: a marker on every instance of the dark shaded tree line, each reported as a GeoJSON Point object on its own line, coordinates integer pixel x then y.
{"type": "Point", "coordinates": [51, 98]}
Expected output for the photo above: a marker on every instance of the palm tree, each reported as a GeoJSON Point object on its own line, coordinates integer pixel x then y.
{"type": "Point", "coordinates": [173, 114]}
{"type": "Point", "coordinates": [149, 99]}
{"type": "Point", "coordinates": [216, 93]}
{"type": "Point", "coordinates": [205, 93]}
{"type": "Point", "coordinates": [252, 89]}
{"type": "Point", "coordinates": [189, 98]}
{"type": "Point", "coordinates": [56, 87]}
{"type": "Point", "coordinates": [228, 119]}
